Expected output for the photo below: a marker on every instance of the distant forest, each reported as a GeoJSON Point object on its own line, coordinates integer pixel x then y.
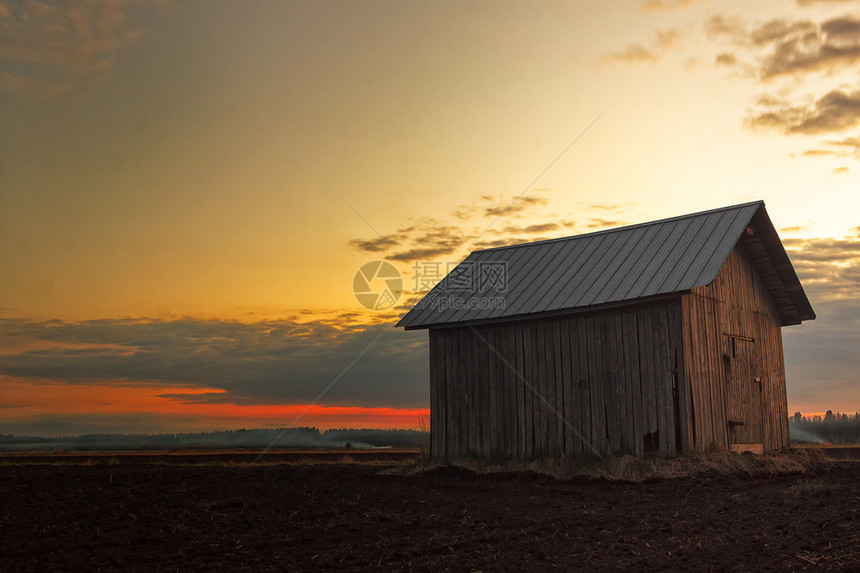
{"type": "Point", "coordinates": [279, 438]}
{"type": "Point", "coordinates": [831, 428]}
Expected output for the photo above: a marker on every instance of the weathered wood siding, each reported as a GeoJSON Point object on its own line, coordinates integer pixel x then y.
{"type": "Point", "coordinates": [732, 336]}
{"type": "Point", "coordinates": [573, 385]}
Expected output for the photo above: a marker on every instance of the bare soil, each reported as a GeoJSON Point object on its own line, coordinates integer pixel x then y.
{"type": "Point", "coordinates": [141, 516]}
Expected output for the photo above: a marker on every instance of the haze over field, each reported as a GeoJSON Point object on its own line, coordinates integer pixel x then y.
{"type": "Point", "coordinates": [186, 190]}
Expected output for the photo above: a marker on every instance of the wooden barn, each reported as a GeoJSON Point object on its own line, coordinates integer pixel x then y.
{"type": "Point", "coordinates": [648, 339]}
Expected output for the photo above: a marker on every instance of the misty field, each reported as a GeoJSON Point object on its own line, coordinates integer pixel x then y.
{"type": "Point", "coordinates": [181, 514]}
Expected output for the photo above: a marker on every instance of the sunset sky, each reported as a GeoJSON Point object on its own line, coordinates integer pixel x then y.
{"type": "Point", "coordinates": [187, 189]}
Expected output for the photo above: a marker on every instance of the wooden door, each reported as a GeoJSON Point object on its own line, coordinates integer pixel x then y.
{"type": "Point", "coordinates": [743, 389]}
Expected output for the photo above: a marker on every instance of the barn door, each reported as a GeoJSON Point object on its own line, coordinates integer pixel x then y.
{"type": "Point", "coordinates": [743, 389]}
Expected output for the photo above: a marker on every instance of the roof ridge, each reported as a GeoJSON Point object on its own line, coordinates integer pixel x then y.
{"type": "Point", "coordinates": [623, 228]}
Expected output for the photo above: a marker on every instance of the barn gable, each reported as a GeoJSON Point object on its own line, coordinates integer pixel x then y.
{"type": "Point", "coordinates": [734, 358]}
{"type": "Point", "coordinates": [616, 266]}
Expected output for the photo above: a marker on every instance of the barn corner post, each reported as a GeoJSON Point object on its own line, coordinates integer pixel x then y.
{"type": "Point", "coordinates": [652, 339]}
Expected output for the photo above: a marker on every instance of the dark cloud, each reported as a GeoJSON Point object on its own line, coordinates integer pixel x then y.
{"type": "Point", "coordinates": [725, 59]}
{"type": "Point", "coordinates": [491, 244]}
{"type": "Point", "coordinates": [664, 41]}
{"type": "Point", "coordinates": [721, 25]}
{"type": "Point", "coordinates": [668, 38]}
{"type": "Point", "coordinates": [843, 250]}
{"type": "Point", "coordinates": [805, 47]}
{"type": "Point", "coordinates": [429, 238]}
{"type": "Point", "coordinates": [783, 31]}
{"type": "Point", "coordinates": [512, 208]}
{"type": "Point", "coordinates": [614, 210]}
{"type": "Point", "coordinates": [349, 317]}
{"type": "Point", "coordinates": [495, 205]}
{"type": "Point", "coordinates": [206, 398]}
{"type": "Point", "coordinates": [270, 362]}
{"type": "Point", "coordinates": [790, 47]}
{"type": "Point", "coordinates": [442, 236]}
{"type": "Point", "coordinates": [378, 244]}
{"type": "Point", "coordinates": [51, 44]}
{"type": "Point", "coordinates": [812, 2]}
{"type": "Point", "coordinates": [612, 207]}
{"type": "Point", "coordinates": [655, 5]}
{"type": "Point", "coordinates": [464, 212]}
{"type": "Point", "coordinates": [532, 228]}
{"type": "Point", "coordinates": [848, 147]}
{"type": "Point", "coordinates": [634, 53]}
{"type": "Point", "coordinates": [843, 29]}
{"type": "Point", "coordinates": [836, 111]}
{"type": "Point", "coordinates": [423, 239]}
{"type": "Point", "coordinates": [598, 223]}
{"type": "Point", "coordinates": [61, 424]}
{"type": "Point", "coordinates": [421, 253]}
{"type": "Point", "coordinates": [828, 268]}
{"type": "Point", "coordinates": [795, 229]}
{"type": "Point", "coordinates": [769, 100]}
{"type": "Point", "coordinates": [852, 143]}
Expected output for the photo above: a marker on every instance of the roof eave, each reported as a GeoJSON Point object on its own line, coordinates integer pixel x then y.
{"type": "Point", "coordinates": [549, 313]}
{"type": "Point", "coordinates": [803, 310]}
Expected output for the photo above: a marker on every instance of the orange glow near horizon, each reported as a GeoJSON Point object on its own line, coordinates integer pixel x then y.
{"type": "Point", "coordinates": [24, 400]}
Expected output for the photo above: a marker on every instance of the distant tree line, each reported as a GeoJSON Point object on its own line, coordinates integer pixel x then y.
{"type": "Point", "coordinates": [278, 438]}
{"type": "Point", "coordinates": [831, 428]}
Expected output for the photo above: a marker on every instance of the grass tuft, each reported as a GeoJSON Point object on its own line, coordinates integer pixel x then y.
{"type": "Point", "coordinates": [422, 424]}
{"type": "Point", "coordinates": [809, 488]}
{"type": "Point", "coordinates": [626, 468]}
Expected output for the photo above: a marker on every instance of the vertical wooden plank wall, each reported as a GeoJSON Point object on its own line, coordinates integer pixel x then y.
{"type": "Point", "coordinates": [567, 385]}
{"type": "Point", "coordinates": [437, 431]}
{"type": "Point", "coordinates": [736, 304]}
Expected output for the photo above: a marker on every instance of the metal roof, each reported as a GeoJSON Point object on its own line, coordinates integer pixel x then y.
{"type": "Point", "coordinates": [612, 266]}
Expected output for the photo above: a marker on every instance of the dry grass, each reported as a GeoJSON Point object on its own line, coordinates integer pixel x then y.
{"type": "Point", "coordinates": [422, 424]}
{"type": "Point", "coordinates": [810, 487]}
{"type": "Point", "coordinates": [631, 469]}
{"type": "Point", "coordinates": [619, 468]}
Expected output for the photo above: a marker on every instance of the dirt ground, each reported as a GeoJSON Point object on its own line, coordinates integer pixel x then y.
{"type": "Point", "coordinates": [304, 517]}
